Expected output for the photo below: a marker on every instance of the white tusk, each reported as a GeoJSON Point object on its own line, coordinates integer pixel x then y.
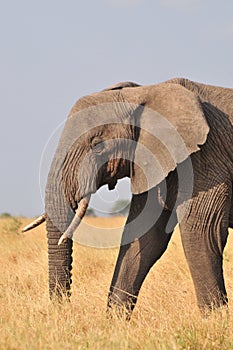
{"type": "Point", "coordinates": [82, 207]}
{"type": "Point", "coordinates": [35, 223]}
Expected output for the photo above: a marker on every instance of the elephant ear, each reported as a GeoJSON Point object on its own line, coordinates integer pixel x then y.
{"type": "Point", "coordinates": [121, 85]}
{"type": "Point", "coordinates": [171, 126]}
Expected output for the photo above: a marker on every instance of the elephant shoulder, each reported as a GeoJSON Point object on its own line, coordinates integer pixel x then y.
{"type": "Point", "coordinates": [188, 84]}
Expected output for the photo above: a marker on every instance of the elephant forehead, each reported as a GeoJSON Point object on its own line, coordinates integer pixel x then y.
{"type": "Point", "coordinates": [96, 116]}
{"type": "Point", "coordinates": [115, 110]}
{"type": "Point", "coordinates": [86, 122]}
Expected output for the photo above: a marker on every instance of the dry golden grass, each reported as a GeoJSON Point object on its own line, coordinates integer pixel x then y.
{"type": "Point", "coordinates": [166, 316]}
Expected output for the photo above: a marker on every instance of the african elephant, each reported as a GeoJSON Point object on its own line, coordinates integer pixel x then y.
{"type": "Point", "coordinates": [174, 140]}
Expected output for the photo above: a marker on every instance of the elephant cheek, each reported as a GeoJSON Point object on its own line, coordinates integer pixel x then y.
{"type": "Point", "coordinates": [88, 178]}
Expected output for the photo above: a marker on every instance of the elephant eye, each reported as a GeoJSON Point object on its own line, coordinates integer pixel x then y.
{"type": "Point", "coordinates": [97, 146]}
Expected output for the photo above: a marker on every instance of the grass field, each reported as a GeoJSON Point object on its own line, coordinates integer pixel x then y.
{"type": "Point", "coordinates": [166, 316]}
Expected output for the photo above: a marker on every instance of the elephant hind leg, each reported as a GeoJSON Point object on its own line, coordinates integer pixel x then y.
{"type": "Point", "coordinates": [204, 231]}
{"type": "Point", "coordinates": [231, 213]}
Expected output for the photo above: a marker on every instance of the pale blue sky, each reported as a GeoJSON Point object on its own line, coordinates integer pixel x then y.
{"type": "Point", "coordinates": [53, 52]}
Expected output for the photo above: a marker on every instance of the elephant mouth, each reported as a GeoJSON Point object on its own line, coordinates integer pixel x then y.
{"type": "Point", "coordinates": [112, 184]}
{"type": "Point", "coordinates": [108, 174]}
{"type": "Point", "coordinates": [112, 171]}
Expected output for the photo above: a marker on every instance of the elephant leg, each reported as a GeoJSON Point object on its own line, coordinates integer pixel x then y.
{"type": "Point", "coordinates": [137, 257]}
{"type": "Point", "coordinates": [231, 213]}
{"type": "Point", "coordinates": [204, 231]}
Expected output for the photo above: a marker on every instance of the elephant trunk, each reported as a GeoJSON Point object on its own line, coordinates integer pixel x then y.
{"type": "Point", "coordinates": [60, 262]}
{"type": "Point", "coordinates": [59, 208]}
{"type": "Point", "coordinates": [60, 255]}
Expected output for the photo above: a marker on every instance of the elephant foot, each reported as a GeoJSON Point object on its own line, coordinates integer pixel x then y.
{"type": "Point", "coordinates": [217, 305]}
{"type": "Point", "coordinates": [59, 295]}
{"type": "Point", "coordinates": [120, 308]}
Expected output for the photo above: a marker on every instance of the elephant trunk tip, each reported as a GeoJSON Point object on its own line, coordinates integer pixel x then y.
{"type": "Point", "coordinates": [82, 208]}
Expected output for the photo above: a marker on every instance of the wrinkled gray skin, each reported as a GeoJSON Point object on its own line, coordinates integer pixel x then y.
{"type": "Point", "coordinates": [203, 116]}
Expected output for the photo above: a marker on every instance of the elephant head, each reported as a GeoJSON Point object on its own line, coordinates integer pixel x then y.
{"type": "Point", "coordinates": [124, 131]}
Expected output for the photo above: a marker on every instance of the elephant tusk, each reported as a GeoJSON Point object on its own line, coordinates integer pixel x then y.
{"type": "Point", "coordinates": [82, 207]}
{"type": "Point", "coordinates": [35, 223]}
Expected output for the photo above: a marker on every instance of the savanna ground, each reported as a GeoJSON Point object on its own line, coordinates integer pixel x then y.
{"type": "Point", "coordinates": [166, 316]}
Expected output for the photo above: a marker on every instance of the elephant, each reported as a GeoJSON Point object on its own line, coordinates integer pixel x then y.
{"type": "Point", "coordinates": [174, 140]}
